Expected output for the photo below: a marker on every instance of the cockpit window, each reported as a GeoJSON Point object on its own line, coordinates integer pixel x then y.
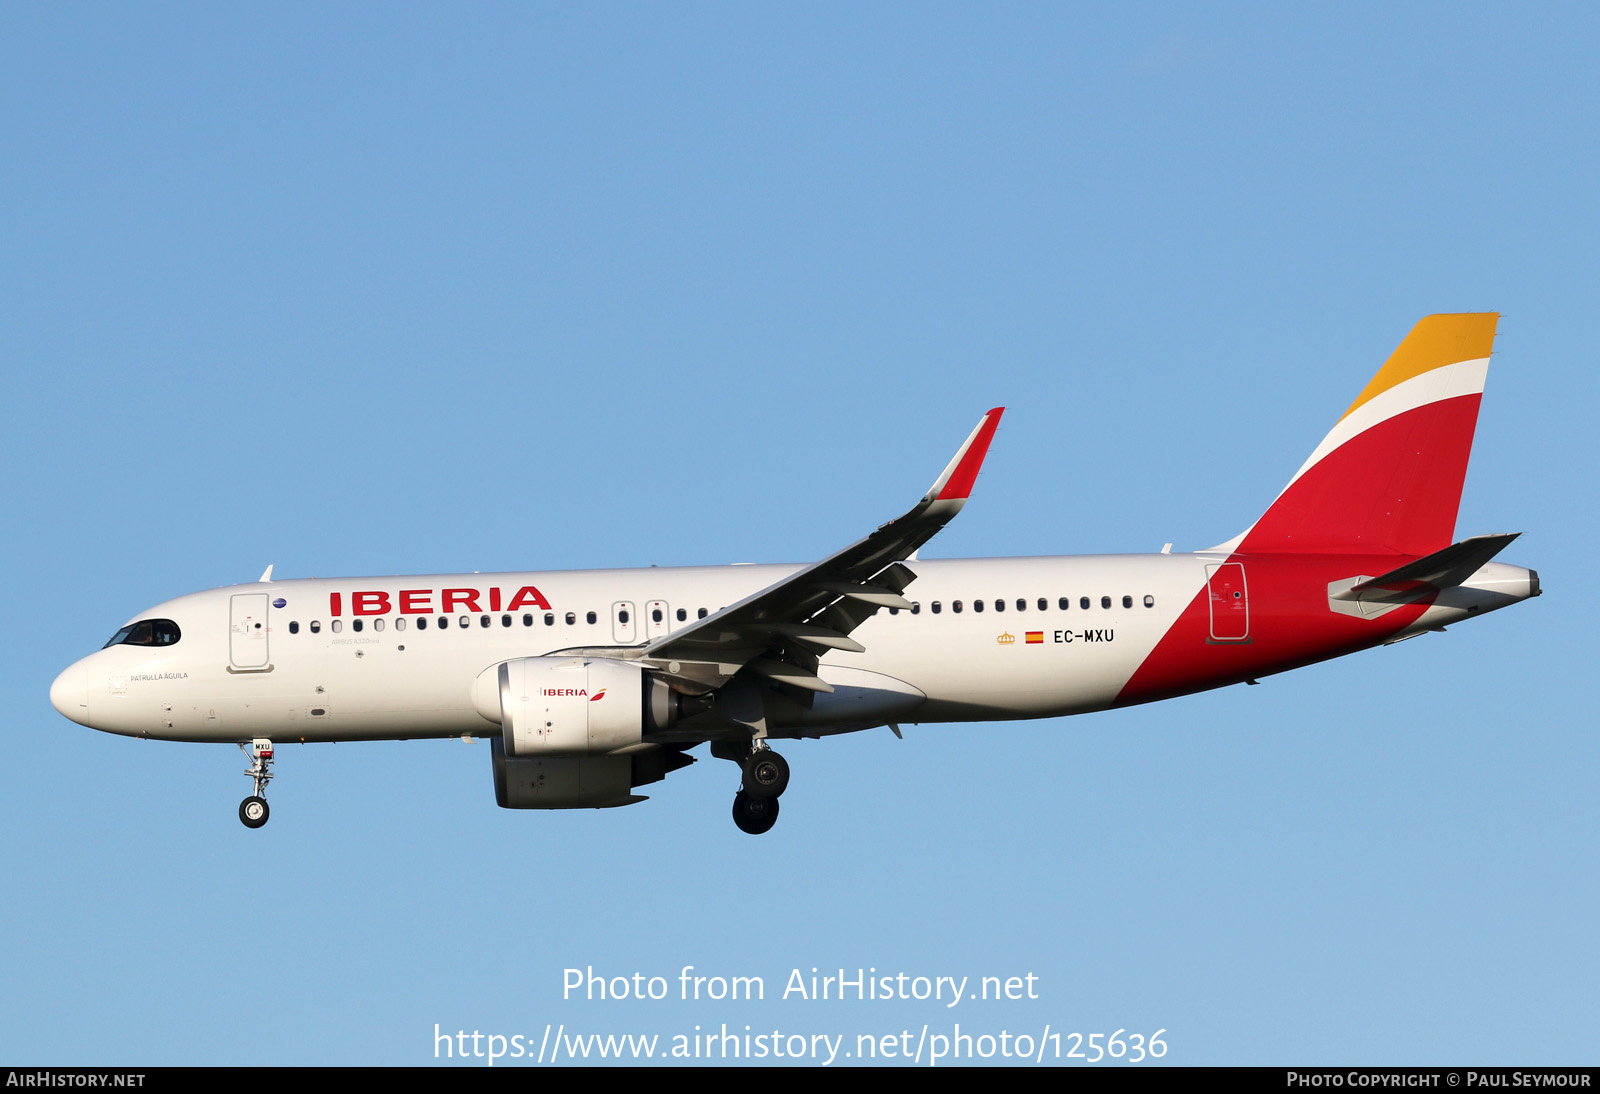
{"type": "Point", "coordinates": [146, 632]}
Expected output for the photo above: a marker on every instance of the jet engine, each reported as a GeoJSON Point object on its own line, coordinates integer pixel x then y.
{"type": "Point", "coordinates": [572, 728]}
{"type": "Point", "coordinates": [572, 706]}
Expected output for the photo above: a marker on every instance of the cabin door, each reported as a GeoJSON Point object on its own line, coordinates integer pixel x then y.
{"type": "Point", "coordinates": [1230, 602]}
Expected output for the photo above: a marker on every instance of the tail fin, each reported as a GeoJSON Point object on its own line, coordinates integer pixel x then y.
{"type": "Point", "coordinates": [1388, 477]}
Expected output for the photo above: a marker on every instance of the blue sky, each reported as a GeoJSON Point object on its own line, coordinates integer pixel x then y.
{"type": "Point", "coordinates": [387, 289]}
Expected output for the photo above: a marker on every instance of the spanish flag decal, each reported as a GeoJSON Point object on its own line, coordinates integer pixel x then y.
{"type": "Point", "coordinates": [1035, 637]}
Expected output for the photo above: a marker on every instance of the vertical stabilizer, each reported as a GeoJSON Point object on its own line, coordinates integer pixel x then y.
{"type": "Point", "coordinates": [1388, 478]}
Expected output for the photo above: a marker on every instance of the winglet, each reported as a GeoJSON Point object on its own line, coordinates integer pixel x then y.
{"type": "Point", "coordinates": [956, 482]}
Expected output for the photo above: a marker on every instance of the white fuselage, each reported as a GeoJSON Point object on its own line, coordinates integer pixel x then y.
{"type": "Point", "coordinates": [381, 659]}
{"type": "Point", "coordinates": [310, 675]}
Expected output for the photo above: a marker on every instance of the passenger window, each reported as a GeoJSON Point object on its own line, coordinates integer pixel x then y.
{"type": "Point", "coordinates": [955, 606]}
{"type": "Point", "coordinates": [572, 617]}
{"type": "Point", "coordinates": [316, 626]}
{"type": "Point", "coordinates": [590, 617]}
{"type": "Point", "coordinates": [937, 608]}
{"type": "Point", "coordinates": [444, 622]}
{"type": "Point", "coordinates": [1022, 605]}
{"type": "Point", "coordinates": [1083, 602]}
{"type": "Point", "coordinates": [505, 621]}
{"type": "Point", "coordinates": [549, 619]}
{"type": "Point", "coordinates": [1044, 604]}
{"type": "Point", "coordinates": [466, 621]}
{"type": "Point", "coordinates": [655, 615]}
{"type": "Point", "coordinates": [894, 611]}
{"type": "Point", "coordinates": [483, 620]}
{"type": "Point", "coordinates": [294, 628]}
{"type": "Point", "coordinates": [377, 624]}
{"type": "Point", "coordinates": [400, 624]}
{"type": "Point", "coordinates": [422, 623]}
{"type": "Point", "coordinates": [702, 614]}
{"type": "Point", "coordinates": [977, 605]}
{"type": "Point", "coordinates": [1127, 602]}
{"type": "Point", "coordinates": [622, 616]}
{"type": "Point", "coordinates": [336, 626]}
{"type": "Point", "coordinates": [916, 607]}
{"type": "Point", "coordinates": [1149, 601]}
{"type": "Point", "coordinates": [1105, 602]}
{"type": "Point", "coordinates": [1064, 604]}
{"type": "Point", "coordinates": [527, 619]}
{"type": "Point", "coordinates": [682, 615]}
{"type": "Point", "coordinates": [355, 625]}
{"type": "Point", "coordinates": [999, 605]}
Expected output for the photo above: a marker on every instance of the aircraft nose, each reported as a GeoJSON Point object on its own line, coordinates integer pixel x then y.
{"type": "Point", "coordinates": [70, 694]}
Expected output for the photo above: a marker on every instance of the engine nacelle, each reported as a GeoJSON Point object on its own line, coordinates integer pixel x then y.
{"type": "Point", "coordinates": [578, 782]}
{"type": "Point", "coordinates": [572, 706]}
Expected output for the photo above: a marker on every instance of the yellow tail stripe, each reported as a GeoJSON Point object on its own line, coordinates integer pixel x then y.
{"type": "Point", "coordinates": [1436, 341]}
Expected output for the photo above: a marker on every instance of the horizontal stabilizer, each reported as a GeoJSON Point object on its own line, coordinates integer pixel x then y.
{"type": "Point", "coordinates": [1451, 566]}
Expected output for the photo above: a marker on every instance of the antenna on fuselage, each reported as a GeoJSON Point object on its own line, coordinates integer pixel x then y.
{"type": "Point", "coordinates": [266, 575]}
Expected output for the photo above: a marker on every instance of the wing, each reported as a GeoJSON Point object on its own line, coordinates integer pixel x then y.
{"type": "Point", "coordinates": [779, 632]}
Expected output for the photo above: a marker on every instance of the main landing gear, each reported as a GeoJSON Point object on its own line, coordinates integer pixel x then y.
{"type": "Point", "coordinates": [754, 815]}
{"type": "Point", "coordinates": [766, 776]}
{"type": "Point", "coordinates": [253, 811]}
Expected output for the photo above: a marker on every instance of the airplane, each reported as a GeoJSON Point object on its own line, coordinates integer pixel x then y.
{"type": "Point", "coordinates": [591, 684]}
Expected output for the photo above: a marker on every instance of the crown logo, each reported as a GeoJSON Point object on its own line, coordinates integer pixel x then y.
{"type": "Point", "coordinates": [1006, 638]}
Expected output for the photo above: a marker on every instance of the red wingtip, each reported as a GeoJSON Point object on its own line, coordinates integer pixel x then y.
{"type": "Point", "coordinates": [971, 460]}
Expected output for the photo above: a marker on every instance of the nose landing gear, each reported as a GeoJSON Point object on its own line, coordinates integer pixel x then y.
{"type": "Point", "coordinates": [253, 811]}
